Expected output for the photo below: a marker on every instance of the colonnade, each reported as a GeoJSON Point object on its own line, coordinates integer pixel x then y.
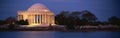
{"type": "Point", "coordinates": [41, 19]}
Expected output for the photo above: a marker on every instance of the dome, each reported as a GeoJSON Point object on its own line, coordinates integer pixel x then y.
{"type": "Point", "coordinates": [38, 8]}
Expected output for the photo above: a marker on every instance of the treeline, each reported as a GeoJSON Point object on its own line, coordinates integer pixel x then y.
{"type": "Point", "coordinates": [13, 20]}
{"type": "Point", "coordinates": [81, 18]}
{"type": "Point", "coordinates": [75, 18]}
{"type": "Point", "coordinates": [11, 23]}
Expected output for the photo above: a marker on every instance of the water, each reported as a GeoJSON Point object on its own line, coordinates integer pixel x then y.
{"type": "Point", "coordinates": [46, 34]}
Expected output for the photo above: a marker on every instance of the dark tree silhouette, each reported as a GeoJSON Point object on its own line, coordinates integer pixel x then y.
{"type": "Point", "coordinates": [88, 16]}
{"type": "Point", "coordinates": [76, 18]}
{"type": "Point", "coordinates": [114, 20]}
{"type": "Point", "coordinates": [10, 20]}
{"type": "Point", "coordinates": [61, 18]}
{"type": "Point", "coordinates": [75, 14]}
{"type": "Point", "coordinates": [68, 19]}
{"type": "Point", "coordinates": [23, 22]}
{"type": "Point", "coordinates": [2, 22]}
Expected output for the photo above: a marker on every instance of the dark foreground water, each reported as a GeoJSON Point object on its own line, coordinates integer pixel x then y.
{"type": "Point", "coordinates": [46, 34]}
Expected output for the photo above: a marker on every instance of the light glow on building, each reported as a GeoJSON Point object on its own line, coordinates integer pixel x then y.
{"type": "Point", "coordinates": [37, 14]}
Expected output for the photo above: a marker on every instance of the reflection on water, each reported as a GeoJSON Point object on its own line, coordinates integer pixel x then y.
{"type": "Point", "coordinates": [46, 34]}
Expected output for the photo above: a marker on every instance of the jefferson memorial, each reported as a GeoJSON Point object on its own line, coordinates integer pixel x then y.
{"type": "Point", "coordinates": [37, 14]}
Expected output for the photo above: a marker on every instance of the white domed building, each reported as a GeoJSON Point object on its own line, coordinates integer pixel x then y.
{"type": "Point", "coordinates": [37, 14]}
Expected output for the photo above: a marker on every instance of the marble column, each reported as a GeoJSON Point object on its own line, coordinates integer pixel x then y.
{"type": "Point", "coordinates": [37, 18]}
{"type": "Point", "coordinates": [40, 19]}
{"type": "Point", "coordinates": [50, 19]}
{"type": "Point", "coordinates": [34, 18]}
{"type": "Point", "coordinates": [45, 19]}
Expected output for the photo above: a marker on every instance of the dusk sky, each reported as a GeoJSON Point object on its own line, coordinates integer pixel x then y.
{"type": "Point", "coordinates": [103, 9]}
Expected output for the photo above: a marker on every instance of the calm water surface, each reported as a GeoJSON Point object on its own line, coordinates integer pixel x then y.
{"type": "Point", "coordinates": [46, 34]}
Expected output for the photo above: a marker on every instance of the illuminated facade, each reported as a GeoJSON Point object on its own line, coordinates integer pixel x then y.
{"type": "Point", "coordinates": [37, 14]}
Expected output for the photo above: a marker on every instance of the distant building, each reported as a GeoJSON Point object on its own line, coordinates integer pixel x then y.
{"type": "Point", "coordinates": [37, 14]}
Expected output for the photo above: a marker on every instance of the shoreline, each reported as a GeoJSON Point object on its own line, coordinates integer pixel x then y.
{"type": "Point", "coordinates": [64, 30]}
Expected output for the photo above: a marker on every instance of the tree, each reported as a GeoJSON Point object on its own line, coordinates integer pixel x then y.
{"type": "Point", "coordinates": [61, 18]}
{"type": "Point", "coordinates": [114, 20]}
{"type": "Point", "coordinates": [23, 22]}
{"type": "Point", "coordinates": [11, 26]}
{"type": "Point", "coordinates": [83, 22]}
{"type": "Point", "coordinates": [75, 19]}
{"type": "Point", "coordinates": [10, 20]}
{"type": "Point", "coordinates": [75, 14]}
{"type": "Point", "coordinates": [2, 22]}
{"type": "Point", "coordinates": [68, 19]}
{"type": "Point", "coordinates": [87, 15]}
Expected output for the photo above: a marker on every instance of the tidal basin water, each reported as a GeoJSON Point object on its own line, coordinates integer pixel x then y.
{"type": "Point", "coordinates": [50, 34]}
